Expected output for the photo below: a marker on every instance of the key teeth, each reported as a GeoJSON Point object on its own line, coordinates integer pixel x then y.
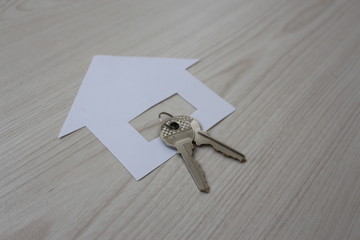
{"type": "Point", "coordinates": [229, 156]}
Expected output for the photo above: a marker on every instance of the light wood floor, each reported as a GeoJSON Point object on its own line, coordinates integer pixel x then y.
{"type": "Point", "coordinates": [290, 67]}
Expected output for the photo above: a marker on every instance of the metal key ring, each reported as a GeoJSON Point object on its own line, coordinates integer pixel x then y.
{"type": "Point", "coordinates": [172, 125]}
{"type": "Point", "coordinates": [161, 120]}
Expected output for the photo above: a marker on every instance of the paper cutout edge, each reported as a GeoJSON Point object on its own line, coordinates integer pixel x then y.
{"type": "Point", "coordinates": [72, 122]}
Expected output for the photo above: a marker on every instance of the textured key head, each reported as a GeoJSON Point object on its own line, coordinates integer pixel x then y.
{"type": "Point", "coordinates": [175, 129]}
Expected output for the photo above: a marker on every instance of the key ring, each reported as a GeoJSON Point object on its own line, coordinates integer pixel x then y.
{"type": "Point", "coordinates": [173, 125]}
{"type": "Point", "coordinates": [161, 120]}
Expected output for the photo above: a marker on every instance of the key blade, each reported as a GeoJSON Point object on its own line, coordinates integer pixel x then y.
{"type": "Point", "coordinates": [185, 148]}
{"type": "Point", "coordinates": [202, 138]}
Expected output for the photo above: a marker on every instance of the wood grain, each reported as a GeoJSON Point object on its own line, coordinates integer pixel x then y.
{"type": "Point", "coordinates": [290, 67]}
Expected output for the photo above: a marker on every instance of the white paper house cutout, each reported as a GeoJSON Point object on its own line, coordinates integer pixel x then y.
{"type": "Point", "coordinates": [117, 89]}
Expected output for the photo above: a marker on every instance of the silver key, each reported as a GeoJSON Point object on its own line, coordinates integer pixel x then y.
{"type": "Point", "coordinates": [178, 133]}
{"type": "Point", "coordinates": [201, 138]}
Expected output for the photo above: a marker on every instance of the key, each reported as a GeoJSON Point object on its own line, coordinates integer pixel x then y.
{"type": "Point", "coordinates": [178, 133]}
{"type": "Point", "coordinates": [202, 137]}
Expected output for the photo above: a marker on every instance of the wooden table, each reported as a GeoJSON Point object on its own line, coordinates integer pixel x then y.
{"type": "Point", "coordinates": [290, 67]}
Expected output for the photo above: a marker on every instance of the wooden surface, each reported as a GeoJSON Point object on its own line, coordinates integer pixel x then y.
{"type": "Point", "coordinates": [290, 67]}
